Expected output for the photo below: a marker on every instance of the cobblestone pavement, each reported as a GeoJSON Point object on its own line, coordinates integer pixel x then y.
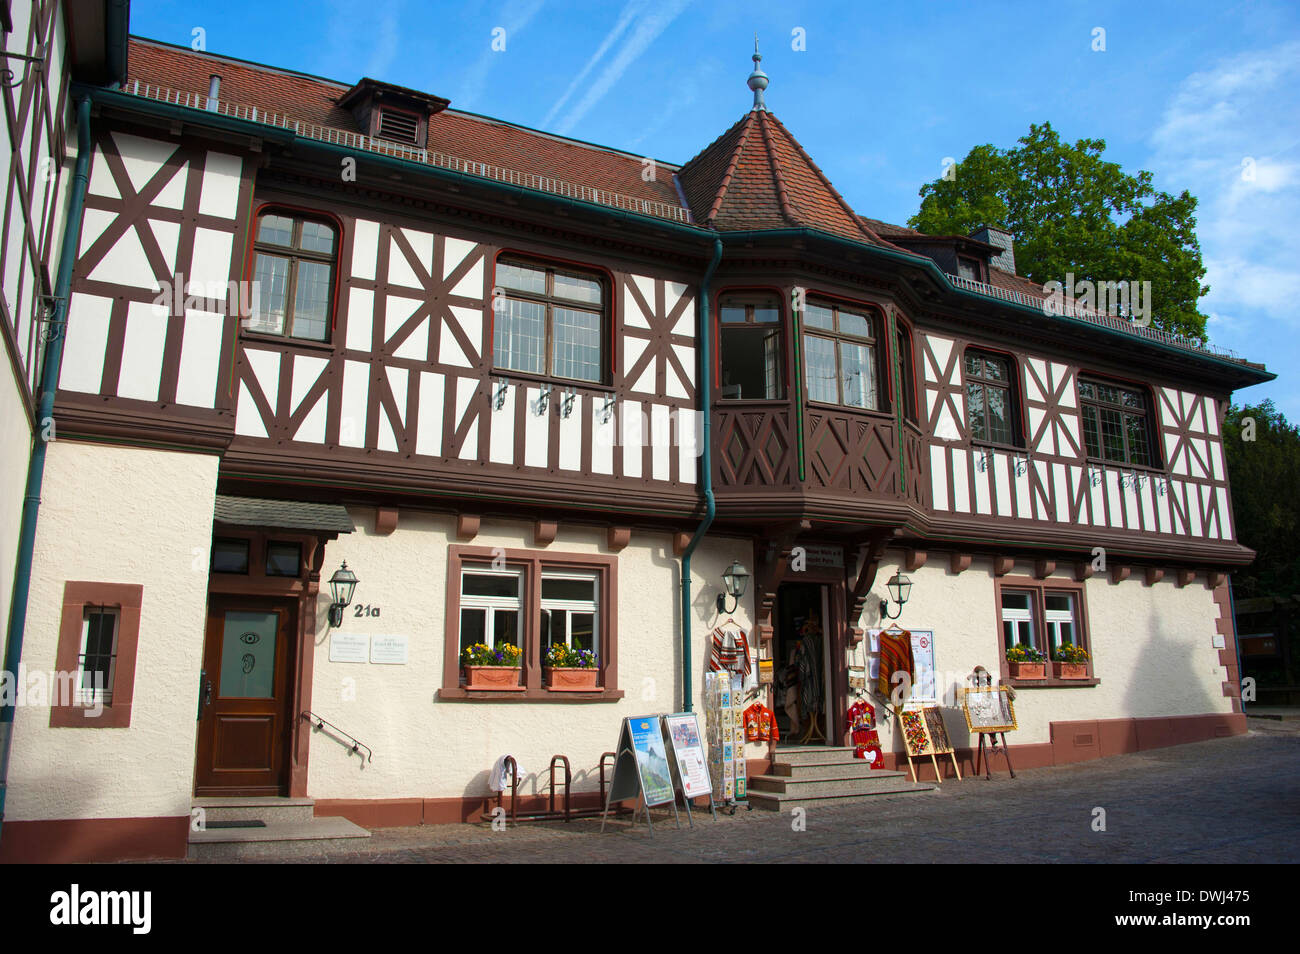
{"type": "Point", "coordinates": [1233, 801]}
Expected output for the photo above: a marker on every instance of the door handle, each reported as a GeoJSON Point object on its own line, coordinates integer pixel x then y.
{"type": "Point", "coordinates": [205, 691]}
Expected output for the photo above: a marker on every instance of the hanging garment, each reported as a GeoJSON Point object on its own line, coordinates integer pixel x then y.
{"type": "Point", "coordinates": [760, 724]}
{"type": "Point", "coordinates": [862, 732]}
{"type": "Point", "coordinates": [730, 652]}
{"type": "Point", "coordinates": [499, 778]}
{"type": "Point", "coordinates": [895, 656]}
{"type": "Point", "coordinates": [810, 676]}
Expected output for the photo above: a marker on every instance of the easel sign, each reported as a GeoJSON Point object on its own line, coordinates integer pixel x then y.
{"type": "Point", "coordinates": [641, 768]}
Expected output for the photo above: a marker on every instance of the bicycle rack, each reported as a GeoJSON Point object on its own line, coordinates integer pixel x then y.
{"type": "Point", "coordinates": [568, 812]}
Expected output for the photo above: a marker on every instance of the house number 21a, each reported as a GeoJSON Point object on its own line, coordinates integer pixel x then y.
{"type": "Point", "coordinates": [367, 610]}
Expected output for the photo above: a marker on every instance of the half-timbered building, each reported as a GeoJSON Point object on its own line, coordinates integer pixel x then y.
{"type": "Point", "coordinates": [520, 385]}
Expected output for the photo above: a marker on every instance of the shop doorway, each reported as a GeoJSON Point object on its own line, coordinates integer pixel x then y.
{"type": "Point", "coordinates": [245, 711]}
{"type": "Point", "coordinates": [803, 664]}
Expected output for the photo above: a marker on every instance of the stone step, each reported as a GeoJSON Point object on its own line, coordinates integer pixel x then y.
{"type": "Point", "coordinates": [824, 786]}
{"type": "Point", "coordinates": [779, 802]}
{"type": "Point", "coordinates": [269, 809]}
{"type": "Point", "coordinates": [230, 844]}
{"type": "Point", "coordinates": [856, 768]}
{"type": "Point", "coordinates": [797, 755]}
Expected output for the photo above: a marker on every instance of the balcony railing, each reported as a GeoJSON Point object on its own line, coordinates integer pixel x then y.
{"type": "Point", "coordinates": [383, 147]}
{"type": "Point", "coordinates": [1116, 322]}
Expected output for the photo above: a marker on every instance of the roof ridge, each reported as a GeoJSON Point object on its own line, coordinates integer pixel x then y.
{"type": "Point", "coordinates": [725, 184]}
{"type": "Point", "coordinates": [782, 194]}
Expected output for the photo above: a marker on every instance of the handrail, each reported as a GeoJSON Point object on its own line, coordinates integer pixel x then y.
{"type": "Point", "coordinates": [354, 140]}
{"type": "Point", "coordinates": [356, 746]}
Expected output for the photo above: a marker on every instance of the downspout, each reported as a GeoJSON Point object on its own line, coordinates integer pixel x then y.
{"type": "Point", "coordinates": [53, 360]}
{"type": "Point", "coordinates": [706, 466]}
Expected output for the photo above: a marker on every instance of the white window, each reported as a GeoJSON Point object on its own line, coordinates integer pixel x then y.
{"type": "Point", "coordinates": [570, 610]}
{"type": "Point", "coordinates": [97, 659]}
{"type": "Point", "coordinates": [1018, 619]}
{"type": "Point", "coordinates": [491, 604]}
{"type": "Point", "coordinates": [1061, 626]}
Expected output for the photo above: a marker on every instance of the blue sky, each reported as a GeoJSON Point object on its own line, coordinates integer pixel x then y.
{"type": "Point", "coordinates": [1204, 95]}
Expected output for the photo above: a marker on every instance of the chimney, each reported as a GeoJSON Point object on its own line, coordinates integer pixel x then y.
{"type": "Point", "coordinates": [1006, 260]}
{"type": "Point", "coordinates": [214, 87]}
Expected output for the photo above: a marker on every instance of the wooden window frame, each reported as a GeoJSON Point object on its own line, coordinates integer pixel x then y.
{"type": "Point", "coordinates": [533, 563]}
{"type": "Point", "coordinates": [295, 254]}
{"type": "Point", "coordinates": [749, 299]}
{"type": "Point", "coordinates": [1094, 406]}
{"type": "Point", "coordinates": [1038, 591]}
{"type": "Point", "coordinates": [1011, 386]}
{"type": "Point", "coordinates": [549, 300]}
{"type": "Point", "coordinates": [906, 360]}
{"type": "Point", "coordinates": [875, 343]}
{"type": "Point", "coordinates": [78, 597]}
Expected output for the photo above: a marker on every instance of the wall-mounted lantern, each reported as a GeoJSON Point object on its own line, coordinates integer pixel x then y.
{"type": "Point", "coordinates": [342, 583]}
{"type": "Point", "coordinates": [734, 580]}
{"type": "Point", "coordinates": [900, 588]}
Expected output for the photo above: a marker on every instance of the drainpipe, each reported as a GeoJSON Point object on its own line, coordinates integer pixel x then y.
{"type": "Point", "coordinates": [53, 360]}
{"type": "Point", "coordinates": [710, 507]}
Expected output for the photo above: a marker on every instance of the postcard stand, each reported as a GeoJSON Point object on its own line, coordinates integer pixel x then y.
{"type": "Point", "coordinates": [629, 780]}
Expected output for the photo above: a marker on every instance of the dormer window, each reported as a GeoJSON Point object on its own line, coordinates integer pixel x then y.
{"type": "Point", "coordinates": [968, 268]}
{"type": "Point", "coordinates": [392, 113]}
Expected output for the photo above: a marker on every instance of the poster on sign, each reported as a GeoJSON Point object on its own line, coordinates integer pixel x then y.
{"type": "Point", "coordinates": [688, 749]}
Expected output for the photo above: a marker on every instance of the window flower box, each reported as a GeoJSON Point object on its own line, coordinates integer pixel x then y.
{"type": "Point", "coordinates": [570, 678]}
{"type": "Point", "coordinates": [498, 678]}
{"type": "Point", "coordinates": [1065, 670]}
{"type": "Point", "coordinates": [1071, 662]}
{"type": "Point", "coordinates": [570, 670]}
{"type": "Point", "coordinates": [1027, 670]}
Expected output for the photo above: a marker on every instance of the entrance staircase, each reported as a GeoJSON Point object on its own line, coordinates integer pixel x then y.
{"type": "Point", "coordinates": [237, 828]}
{"type": "Point", "coordinates": [803, 776]}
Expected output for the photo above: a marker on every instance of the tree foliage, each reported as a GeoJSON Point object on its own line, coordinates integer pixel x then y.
{"type": "Point", "coordinates": [1071, 211]}
{"type": "Point", "coordinates": [1265, 474]}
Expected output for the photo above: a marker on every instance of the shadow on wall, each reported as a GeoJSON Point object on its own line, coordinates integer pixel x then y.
{"type": "Point", "coordinates": [1165, 680]}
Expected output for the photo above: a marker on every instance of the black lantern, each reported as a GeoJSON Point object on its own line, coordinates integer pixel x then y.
{"type": "Point", "coordinates": [342, 583]}
{"type": "Point", "coordinates": [734, 580]}
{"type": "Point", "coordinates": [900, 588]}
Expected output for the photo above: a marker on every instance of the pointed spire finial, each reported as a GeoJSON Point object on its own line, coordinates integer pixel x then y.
{"type": "Point", "coordinates": [758, 79]}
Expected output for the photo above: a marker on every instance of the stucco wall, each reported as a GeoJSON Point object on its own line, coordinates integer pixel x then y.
{"type": "Point", "coordinates": [119, 515]}
{"type": "Point", "coordinates": [428, 747]}
{"type": "Point", "coordinates": [1152, 648]}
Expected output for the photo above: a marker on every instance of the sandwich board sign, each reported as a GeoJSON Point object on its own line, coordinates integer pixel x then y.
{"type": "Point", "coordinates": [688, 754]}
{"type": "Point", "coordinates": [641, 767]}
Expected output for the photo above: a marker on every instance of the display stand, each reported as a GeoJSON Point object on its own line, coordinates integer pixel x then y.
{"type": "Point", "coordinates": [990, 711]}
{"type": "Point", "coordinates": [924, 734]}
{"type": "Point", "coordinates": [690, 767]}
{"type": "Point", "coordinates": [724, 704]}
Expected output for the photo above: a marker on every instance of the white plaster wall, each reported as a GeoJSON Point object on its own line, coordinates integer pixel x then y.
{"type": "Point", "coordinates": [427, 747]}
{"type": "Point", "coordinates": [15, 451]}
{"type": "Point", "coordinates": [1152, 648]}
{"type": "Point", "coordinates": [119, 515]}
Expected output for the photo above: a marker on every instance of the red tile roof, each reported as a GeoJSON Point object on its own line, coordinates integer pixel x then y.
{"type": "Point", "coordinates": [313, 99]}
{"type": "Point", "coordinates": [757, 176]}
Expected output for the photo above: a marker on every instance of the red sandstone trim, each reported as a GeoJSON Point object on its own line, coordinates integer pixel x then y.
{"type": "Point", "coordinates": [89, 840]}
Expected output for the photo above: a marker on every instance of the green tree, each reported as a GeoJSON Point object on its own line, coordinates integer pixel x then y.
{"type": "Point", "coordinates": [1264, 474]}
{"type": "Point", "coordinates": [1072, 211]}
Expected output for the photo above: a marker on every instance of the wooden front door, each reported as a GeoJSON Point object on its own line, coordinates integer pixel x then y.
{"type": "Point", "coordinates": [245, 701]}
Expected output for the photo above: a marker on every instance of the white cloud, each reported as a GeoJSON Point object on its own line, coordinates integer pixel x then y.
{"type": "Point", "coordinates": [1228, 137]}
{"type": "Point", "coordinates": [646, 31]}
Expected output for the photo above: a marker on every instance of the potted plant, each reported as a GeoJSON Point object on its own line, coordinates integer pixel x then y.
{"type": "Point", "coordinates": [492, 668]}
{"type": "Point", "coordinates": [570, 670]}
{"type": "Point", "coordinates": [1071, 661]}
{"type": "Point", "coordinates": [1025, 662]}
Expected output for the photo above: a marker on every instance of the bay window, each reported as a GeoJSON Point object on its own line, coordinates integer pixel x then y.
{"type": "Point", "coordinates": [840, 355]}
{"type": "Point", "coordinates": [750, 352]}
